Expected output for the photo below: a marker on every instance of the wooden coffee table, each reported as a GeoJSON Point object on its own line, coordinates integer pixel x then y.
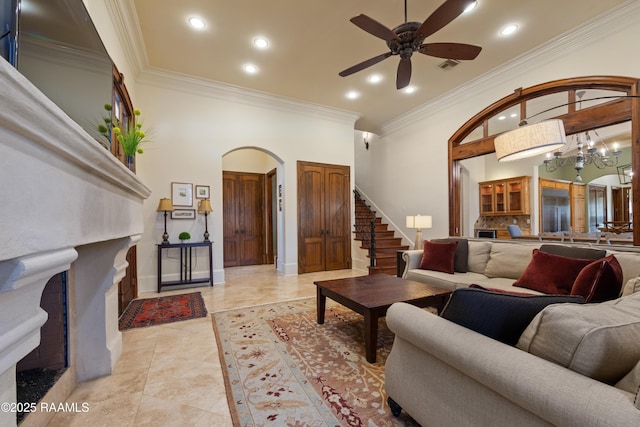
{"type": "Point", "coordinates": [371, 296]}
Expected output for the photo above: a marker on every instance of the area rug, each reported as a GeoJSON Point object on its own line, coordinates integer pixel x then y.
{"type": "Point", "coordinates": [282, 368]}
{"type": "Point", "coordinates": [157, 311]}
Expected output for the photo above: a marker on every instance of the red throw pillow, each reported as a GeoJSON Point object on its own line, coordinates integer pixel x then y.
{"type": "Point", "coordinates": [551, 274]}
{"type": "Point", "coordinates": [599, 281]}
{"type": "Point", "coordinates": [439, 256]}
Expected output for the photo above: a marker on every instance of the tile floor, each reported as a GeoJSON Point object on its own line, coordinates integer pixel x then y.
{"type": "Point", "coordinates": [169, 375]}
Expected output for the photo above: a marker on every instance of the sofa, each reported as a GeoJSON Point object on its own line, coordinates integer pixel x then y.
{"type": "Point", "coordinates": [498, 264]}
{"type": "Point", "coordinates": [565, 363]}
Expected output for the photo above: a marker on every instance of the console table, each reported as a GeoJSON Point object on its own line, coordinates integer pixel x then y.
{"type": "Point", "coordinates": [186, 258]}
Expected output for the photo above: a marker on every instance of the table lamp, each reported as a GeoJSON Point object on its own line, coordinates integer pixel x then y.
{"type": "Point", "coordinates": [204, 207]}
{"type": "Point", "coordinates": [419, 222]}
{"type": "Point", "coordinates": [165, 206]}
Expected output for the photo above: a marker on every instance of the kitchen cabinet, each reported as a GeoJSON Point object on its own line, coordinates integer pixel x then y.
{"type": "Point", "coordinates": [505, 197]}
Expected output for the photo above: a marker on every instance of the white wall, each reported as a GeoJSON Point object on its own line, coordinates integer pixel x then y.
{"type": "Point", "coordinates": [195, 123]}
{"type": "Point", "coordinates": [408, 164]}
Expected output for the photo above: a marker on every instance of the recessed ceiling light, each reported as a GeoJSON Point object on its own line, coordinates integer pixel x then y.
{"type": "Point", "coordinates": [352, 94]}
{"type": "Point", "coordinates": [409, 89]}
{"type": "Point", "coordinates": [374, 78]}
{"type": "Point", "coordinates": [471, 6]}
{"type": "Point", "coordinates": [509, 30]}
{"type": "Point", "coordinates": [250, 68]}
{"type": "Point", "coordinates": [261, 42]}
{"type": "Point", "coordinates": [513, 115]}
{"type": "Point", "coordinates": [502, 117]}
{"type": "Point", "coordinates": [197, 23]}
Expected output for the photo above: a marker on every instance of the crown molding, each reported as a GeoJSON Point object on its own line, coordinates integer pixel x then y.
{"type": "Point", "coordinates": [618, 18]}
{"type": "Point", "coordinates": [208, 88]}
{"type": "Point", "coordinates": [124, 17]}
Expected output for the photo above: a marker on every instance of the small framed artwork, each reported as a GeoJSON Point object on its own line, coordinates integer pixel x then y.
{"type": "Point", "coordinates": [183, 214]}
{"type": "Point", "coordinates": [202, 192]}
{"type": "Point", "coordinates": [181, 194]}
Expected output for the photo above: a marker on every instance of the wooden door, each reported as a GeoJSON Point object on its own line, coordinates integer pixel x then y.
{"type": "Point", "coordinates": [324, 240]}
{"type": "Point", "coordinates": [243, 218]}
{"type": "Point", "coordinates": [128, 286]}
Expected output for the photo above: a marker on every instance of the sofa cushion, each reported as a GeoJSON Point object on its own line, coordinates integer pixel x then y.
{"type": "Point", "coordinates": [462, 252]}
{"type": "Point", "coordinates": [632, 286]}
{"type": "Point", "coordinates": [498, 315]}
{"type": "Point", "coordinates": [478, 256]}
{"type": "Point", "coordinates": [574, 252]}
{"type": "Point", "coordinates": [508, 260]}
{"type": "Point", "coordinates": [601, 341]}
{"type": "Point", "coordinates": [439, 256]}
{"type": "Point", "coordinates": [599, 281]}
{"type": "Point", "coordinates": [629, 263]}
{"type": "Point", "coordinates": [631, 384]}
{"type": "Point", "coordinates": [551, 274]}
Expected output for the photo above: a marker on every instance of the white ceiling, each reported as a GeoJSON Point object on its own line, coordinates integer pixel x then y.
{"type": "Point", "coordinates": [312, 40]}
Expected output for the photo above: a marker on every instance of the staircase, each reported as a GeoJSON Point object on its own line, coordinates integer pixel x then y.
{"type": "Point", "coordinates": [383, 255]}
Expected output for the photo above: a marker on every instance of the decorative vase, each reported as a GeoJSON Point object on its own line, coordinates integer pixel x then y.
{"type": "Point", "coordinates": [130, 161]}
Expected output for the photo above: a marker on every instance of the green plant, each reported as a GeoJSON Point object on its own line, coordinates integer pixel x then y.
{"type": "Point", "coordinates": [131, 139]}
{"type": "Point", "coordinates": [184, 236]}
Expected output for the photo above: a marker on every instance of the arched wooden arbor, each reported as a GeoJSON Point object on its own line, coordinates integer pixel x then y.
{"type": "Point", "coordinates": [616, 111]}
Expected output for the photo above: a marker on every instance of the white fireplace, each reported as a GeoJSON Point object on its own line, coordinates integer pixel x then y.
{"type": "Point", "coordinates": [66, 205]}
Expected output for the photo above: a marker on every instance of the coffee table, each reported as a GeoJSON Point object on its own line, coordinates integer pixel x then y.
{"type": "Point", "coordinates": [372, 295]}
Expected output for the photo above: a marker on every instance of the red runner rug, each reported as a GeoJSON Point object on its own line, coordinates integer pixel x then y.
{"type": "Point", "coordinates": [160, 310]}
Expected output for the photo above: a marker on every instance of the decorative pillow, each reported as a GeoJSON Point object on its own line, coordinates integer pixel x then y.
{"type": "Point", "coordinates": [632, 286]}
{"type": "Point", "coordinates": [501, 291]}
{"type": "Point", "coordinates": [498, 315]}
{"type": "Point", "coordinates": [551, 274]}
{"type": "Point", "coordinates": [462, 252]}
{"type": "Point", "coordinates": [439, 256]}
{"type": "Point", "coordinates": [631, 383]}
{"type": "Point", "coordinates": [478, 256]}
{"type": "Point", "coordinates": [508, 260]}
{"type": "Point", "coordinates": [601, 341]}
{"type": "Point", "coordinates": [574, 252]}
{"type": "Point", "coordinates": [599, 281]}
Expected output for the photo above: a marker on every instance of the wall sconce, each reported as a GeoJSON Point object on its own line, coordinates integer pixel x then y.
{"type": "Point", "coordinates": [365, 139]}
{"type": "Point", "coordinates": [165, 206]}
{"type": "Point", "coordinates": [625, 174]}
{"type": "Point", "coordinates": [204, 207]}
{"type": "Point", "coordinates": [419, 222]}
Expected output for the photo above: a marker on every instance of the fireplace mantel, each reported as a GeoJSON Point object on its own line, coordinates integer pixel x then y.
{"type": "Point", "coordinates": [67, 204]}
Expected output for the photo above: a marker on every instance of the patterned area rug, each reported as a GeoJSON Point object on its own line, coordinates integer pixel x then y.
{"type": "Point", "coordinates": [157, 311]}
{"type": "Point", "coordinates": [282, 368]}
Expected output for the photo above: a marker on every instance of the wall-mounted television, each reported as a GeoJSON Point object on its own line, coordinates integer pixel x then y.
{"type": "Point", "coordinates": [59, 50]}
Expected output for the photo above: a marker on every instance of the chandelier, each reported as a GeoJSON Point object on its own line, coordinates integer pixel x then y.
{"type": "Point", "coordinates": [588, 154]}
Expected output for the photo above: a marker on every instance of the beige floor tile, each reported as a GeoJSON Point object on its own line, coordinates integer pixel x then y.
{"type": "Point", "coordinates": [170, 375]}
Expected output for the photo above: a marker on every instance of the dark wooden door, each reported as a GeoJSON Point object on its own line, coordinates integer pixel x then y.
{"type": "Point", "coordinates": [324, 238]}
{"type": "Point", "coordinates": [128, 286]}
{"type": "Point", "coordinates": [243, 218]}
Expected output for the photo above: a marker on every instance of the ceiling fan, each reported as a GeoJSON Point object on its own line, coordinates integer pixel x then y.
{"type": "Point", "coordinates": [407, 38]}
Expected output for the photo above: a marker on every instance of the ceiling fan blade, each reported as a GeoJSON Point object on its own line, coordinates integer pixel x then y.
{"type": "Point", "coordinates": [447, 12]}
{"type": "Point", "coordinates": [450, 50]}
{"type": "Point", "coordinates": [404, 73]}
{"type": "Point", "coordinates": [364, 64]}
{"type": "Point", "coordinates": [373, 27]}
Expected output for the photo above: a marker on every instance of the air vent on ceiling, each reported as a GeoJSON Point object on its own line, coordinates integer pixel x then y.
{"type": "Point", "coordinates": [448, 64]}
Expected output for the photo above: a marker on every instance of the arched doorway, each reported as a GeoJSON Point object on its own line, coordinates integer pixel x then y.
{"type": "Point", "coordinates": [476, 137]}
{"type": "Point", "coordinates": [250, 207]}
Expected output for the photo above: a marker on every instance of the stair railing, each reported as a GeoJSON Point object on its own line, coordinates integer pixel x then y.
{"type": "Point", "coordinates": [369, 234]}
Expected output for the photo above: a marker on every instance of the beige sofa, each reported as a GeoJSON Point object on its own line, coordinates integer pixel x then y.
{"type": "Point", "coordinates": [444, 375]}
{"type": "Point", "coordinates": [497, 264]}
{"type": "Point", "coordinates": [559, 373]}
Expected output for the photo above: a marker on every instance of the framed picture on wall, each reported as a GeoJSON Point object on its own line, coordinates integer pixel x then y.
{"type": "Point", "coordinates": [183, 214]}
{"type": "Point", "coordinates": [202, 192]}
{"type": "Point", "coordinates": [181, 194]}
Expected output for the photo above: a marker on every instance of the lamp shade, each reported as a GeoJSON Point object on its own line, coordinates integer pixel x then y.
{"type": "Point", "coordinates": [530, 140]}
{"type": "Point", "coordinates": [165, 206]}
{"type": "Point", "coordinates": [411, 221]}
{"type": "Point", "coordinates": [422, 221]}
{"type": "Point", "coordinates": [204, 206]}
